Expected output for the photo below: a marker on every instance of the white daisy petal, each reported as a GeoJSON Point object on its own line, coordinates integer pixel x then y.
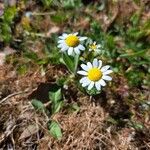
{"type": "Point", "coordinates": [84, 67]}
{"type": "Point", "coordinates": [81, 47]}
{"type": "Point", "coordinates": [91, 85]}
{"type": "Point", "coordinates": [89, 65]}
{"type": "Point", "coordinates": [70, 51]}
{"type": "Point", "coordinates": [103, 69]}
{"type": "Point", "coordinates": [60, 46]}
{"type": "Point", "coordinates": [102, 82]}
{"type": "Point", "coordinates": [82, 72]}
{"type": "Point", "coordinates": [100, 64]}
{"type": "Point", "coordinates": [107, 72]}
{"type": "Point", "coordinates": [98, 86]}
{"type": "Point", "coordinates": [107, 78]}
{"type": "Point", "coordinates": [76, 50]}
{"type": "Point", "coordinates": [64, 48]}
{"type": "Point", "coordinates": [64, 35]}
{"type": "Point", "coordinates": [82, 38]}
{"type": "Point", "coordinates": [95, 63]}
{"type": "Point", "coordinates": [76, 33]}
{"type": "Point", "coordinates": [84, 79]}
{"type": "Point", "coordinates": [86, 83]}
{"type": "Point", "coordinates": [98, 46]}
{"type": "Point", "coordinates": [61, 37]}
{"type": "Point", "coordinates": [97, 50]}
{"type": "Point", "coordinates": [61, 41]}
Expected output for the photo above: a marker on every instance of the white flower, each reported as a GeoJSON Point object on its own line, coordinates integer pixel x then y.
{"type": "Point", "coordinates": [95, 47]}
{"type": "Point", "coordinates": [94, 74]}
{"type": "Point", "coordinates": [71, 43]}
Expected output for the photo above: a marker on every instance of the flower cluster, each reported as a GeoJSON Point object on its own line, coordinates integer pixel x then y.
{"type": "Point", "coordinates": [94, 74]}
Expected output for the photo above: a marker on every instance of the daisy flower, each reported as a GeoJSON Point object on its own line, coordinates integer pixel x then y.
{"type": "Point", "coordinates": [94, 74]}
{"type": "Point", "coordinates": [95, 47]}
{"type": "Point", "coordinates": [71, 43]}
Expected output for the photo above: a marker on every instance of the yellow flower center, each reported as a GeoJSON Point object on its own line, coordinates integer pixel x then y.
{"type": "Point", "coordinates": [72, 41]}
{"type": "Point", "coordinates": [94, 74]}
{"type": "Point", "coordinates": [93, 46]}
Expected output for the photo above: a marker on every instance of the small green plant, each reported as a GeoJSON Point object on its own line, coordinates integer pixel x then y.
{"type": "Point", "coordinates": [6, 24]}
{"type": "Point", "coordinates": [94, 75]}
{"type": "Point", "coordinates": [46, 3]}
{"type": "Point", "coordinates": [56, 104]}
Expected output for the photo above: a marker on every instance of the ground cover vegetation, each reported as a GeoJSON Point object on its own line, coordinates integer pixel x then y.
{"type": "Point", "coordinates": [74, 74]}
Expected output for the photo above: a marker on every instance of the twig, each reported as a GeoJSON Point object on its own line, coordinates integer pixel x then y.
{"type": "Point", "coordinates": [42, 14]}
{"type": "Point", "coordinates": [36, 34]}
{"type": "Point", "coordinates": [12, 95]}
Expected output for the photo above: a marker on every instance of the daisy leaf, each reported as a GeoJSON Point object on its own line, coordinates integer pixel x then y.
{"type": "Point", "coordinates": [55, 130]}
{"type": "Point", "coordinates": [70, 62]}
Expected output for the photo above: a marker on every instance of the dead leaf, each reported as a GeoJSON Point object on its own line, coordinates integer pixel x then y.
{"type": "Point", "coordinates": [2, 58]}
{"type": "Point", "coordinates": [7, 51]}
{"type": "Point", "coordinates": [1, 9]}
{"type": "Point", "coordinates": [30, 130]}
{"type": "Point", "coordinates": [52, 30]}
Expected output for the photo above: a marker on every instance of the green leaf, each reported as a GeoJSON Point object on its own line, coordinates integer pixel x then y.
{"type": "Point", "coordinates": [42, 61]}
{"type": "Point", "coordinates": [136, 33]}
{"type": "Point", "coordinates": [6, 32]}
{"type": "Point", "coordinates": [58, 18]}
{"type": "Point", "coordinates": [133, 74]}
{"type": "Point", "coordinates": [110, 42]}
{"type": "Point", "coordinates": [71, 4]}
{"type": "Point", "coordinates": [93, 91]}
{"type": "Point", "coordinates": [137, 126]}
{"type": "Point", "coordinates": [47, 3]}
{"type": "Point", "coordinates": [76, 61]}
{"type": "Point", "coordinates": [38, 105]}
{"type": "Point", "coordinates": [102, 6]}
{"type": "Point", "coordinates": [55, 130]}
{"type": "Point", "coordinates": [56, 107]}
{"type": "Point", "coordinates": [9, 14]}
{"type": "Point", "coordinates": [22, 69]}
{"type": "Point", "coordinates": [61, 81]}
{"type": "Point", "coordinates": [137, 1]}
{"type": "Point", "coordinates": [31, 55]}
{"type": "Point", "coordinates": [70, 62]}
{"type": "Point", "coordinates": [135, 18]}
{"type": "Point", "coordinates": [112, 120]}
{"type": "Point", "coordinates": [74, 107]}
{"type": "Point", "coordinates": [134, 54]}
{"type": "Point", "coordinates": [55, 96]}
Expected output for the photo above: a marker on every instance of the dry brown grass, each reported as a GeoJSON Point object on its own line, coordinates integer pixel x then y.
{"type": "Point", "coordinates": [86, 129]}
